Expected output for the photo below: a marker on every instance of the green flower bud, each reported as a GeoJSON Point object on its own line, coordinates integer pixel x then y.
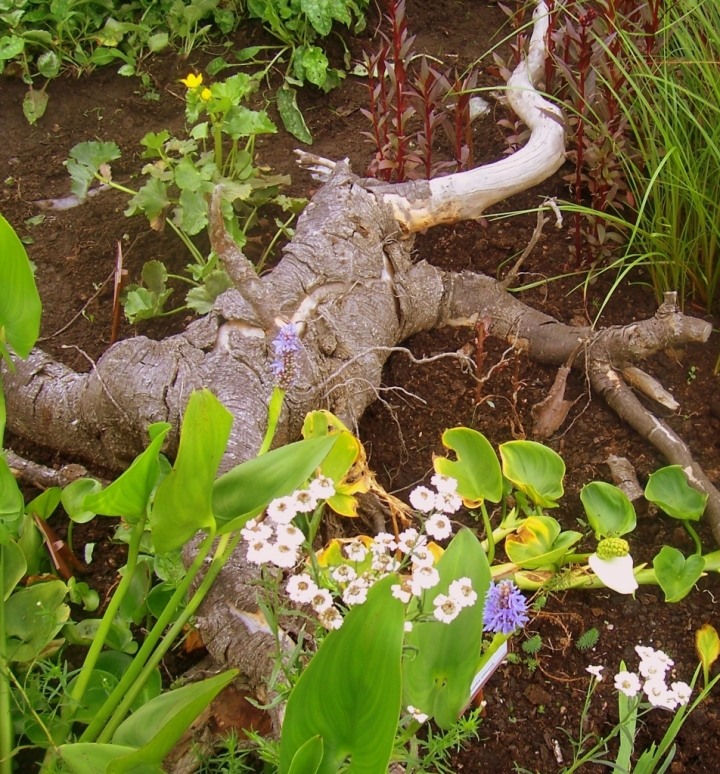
{"type": "Point", "coordinates": [612, 547]}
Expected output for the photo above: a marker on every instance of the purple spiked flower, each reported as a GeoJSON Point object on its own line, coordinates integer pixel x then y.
{"type": "Point", "coordinates": [505, 608]}
{"type": "Point", "coordinates": [287, 349]}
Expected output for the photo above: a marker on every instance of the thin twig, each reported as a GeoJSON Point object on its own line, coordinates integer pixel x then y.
{"type": "Point", "coordinates": [513, 273]}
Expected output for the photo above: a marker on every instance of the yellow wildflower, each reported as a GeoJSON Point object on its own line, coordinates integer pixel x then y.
{"type": "Point", "coordinates": [205, 95]}
{"type": "Point", "coordinates": [192, 81]}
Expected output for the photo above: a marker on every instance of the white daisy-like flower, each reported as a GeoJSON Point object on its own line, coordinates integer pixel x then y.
{"type": "Point", "coordinates": [321, 600]}
{"type": "Point", "coordinates": [421, 717]}
{"type": "Point", "coordinates": [616, 573]}
{"type": "Point", "coordinates": [283, 554]}
{"type": "Point", "coordinates": [422, 556]}
{"type": "Point", "coordinates": [282, 510]}
{"type": "Point", "coordinates": [258, 551]}
{"type": "Point", "coordinates": [403, 592]}
{"type": "Point", "coordinates": [424, 577]}
{"type": "Point", "coordinates": [448, 502]}
{"type": "Point", "coordinates": [653, 669]}
{"type": "Point", "coordinates": [663, 658]}
{"type": "Point", "coordinates": [408, 627]}
{"type": "Point", "coordinates": [330, 618]}
{"type": "Point", "coordinates": [462, 590]}
{"type": "Point", "coordinates": [682, 692]}
{"type": "Point", "coordinates": [446, 608]}
{"type": "Point", "coordinates": [438, 526]}
{"type": "Point", "coordinates": [596, 672]}
{"type": "Point", "coordinates": [644, 652]}
{"type": "Point", "coordinates": [290, 534]}
{"type": "Point", "coordinates": [304, 500]}
{"type": "Point", "coordinates": [444, 483]}
{"type": "Point", "coordinates": [659, 695]}
{"type": "Point", "coordinates": [422, 499]}
{"type": "Point", "coordinates": [256, 530]}
{"type": "Point", "coordinates": [355, 593]}
{"type": "Point", "coordinates": [628, 683]}
{"type": "Point", "coordinates": [344, 573]}
{"type": "Point", "coordinates": [301, 588]}
{"type": "Point", "coordinates": [383, 542]}
{"type": "Point", "coordinates": [409, 540]}
{"type": "Point", "coordinates": [385, 564]}
{"type": "Point", "coordinates": [355, 551]}
{"type": "Point", "coordinates": [322, 487]}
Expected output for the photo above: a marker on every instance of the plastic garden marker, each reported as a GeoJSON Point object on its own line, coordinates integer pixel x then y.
{"type": "Point", "coordinates": [535, 469]}
{"type": "Point", "coordinates": [610, 513]}
{"type": "Point", "coordinates": [675, 574]}
{"type": "Point", "coordinates": [539, 543]}
{"type": "Point", "coordinates": [476, 470]}
{"type": "Point", "coordinates": [183, 502]}
{"type": "Point", "coordinates": [438, 675]}
{"type": "Point", "coordinates": [350, 692]}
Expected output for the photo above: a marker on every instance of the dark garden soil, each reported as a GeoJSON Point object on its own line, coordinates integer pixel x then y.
{"type": "Point", "coordinates": [529, 713]}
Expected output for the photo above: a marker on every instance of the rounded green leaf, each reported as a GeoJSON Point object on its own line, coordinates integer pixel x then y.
{"type": "Point", "coordinates": [73, 499]}
{"type": "Point", "coordinates": [675, 574]}
{"type": "Point", "coordinates": [13, 564]}
{"type": "Point", "coordinates": [668, 488]}
{"type": "Point", "coordinates": [539, 543]}
{"type": "Point", "coordinates": [535, 469]}
{"type": "Point", "coordinates": [350, 692]}
{"type": "Point", "coordinates": [98, 690]}
{"type": "Point", "coordinates": [476, 470]}
{"type": "Point", "coordinates": [610, 513]}
{"type": "Point", "coordinates": [20, 306]}
{"type": "Point", "coordinates": [44, 505]}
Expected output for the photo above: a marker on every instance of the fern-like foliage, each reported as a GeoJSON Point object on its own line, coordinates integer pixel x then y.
{"type": "Point", "coordinates": [588, 639]}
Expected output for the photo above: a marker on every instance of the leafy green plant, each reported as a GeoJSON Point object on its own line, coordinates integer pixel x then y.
{"type": "Point", "coordinates": [182, 177]}
{"type": "Point", "coordinates": [532, 645]}
{"type": "Point", "coordinates": [588, 639]}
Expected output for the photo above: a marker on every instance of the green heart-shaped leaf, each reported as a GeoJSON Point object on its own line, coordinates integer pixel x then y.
{"type": "Point", "coordinates": [476, 470]}
{"type": "Point", "coordinates": [535, 469]}
{"type": "Point", "coordinates": [610, 513]}
{"type": "Point", "coordinates": [675, 574]}
{"type": "Point", "coordinates": [668, 489]}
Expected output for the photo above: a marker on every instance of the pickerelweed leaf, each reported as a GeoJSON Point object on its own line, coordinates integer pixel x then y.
{"type": "Point", "coordinates": [350, 692]}
{"type": "Point", "coordinates": [668, 488]}
{"type": "Point", "coordinates": [441, 659]}
{"type": "Point", "coordinates": [676, 574]}
{"type": "Point", "coordinates": [20, 306]}
{"type": "Point", "coordinates": [12, 561]}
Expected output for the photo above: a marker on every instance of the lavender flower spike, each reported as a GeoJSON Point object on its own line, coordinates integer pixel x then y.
{"type": "Point", "coordinates": [505, 608]}
{"type": "Point", "coordinates": [287, 350]}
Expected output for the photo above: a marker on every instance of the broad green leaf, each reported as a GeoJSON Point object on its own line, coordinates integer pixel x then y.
{"type": "Point", "coordinates": [192, 213]}
{"type": "Point", "coordinates": [3, 408]}
{"type": "Point", "coordinates": [707, 645]}
{"type": "Point", "coordinates": [133, 607]}
{"type": "Point", "coordinates": [476, 470]}
{"type": "Point", "coordinates": [154, 143]}
{"type": "Point", "coordinates": [48, 64]}
{"type": "Point", "coordinates": [20, 306]}
{"type": "Point", "coordinates": [128, 495]}
{"type": "Point", "coordinates": [291, 116]}
{"type": "Point", "coordinates": [243, 122]}
{"type": "Point", "coordinates": [32, 544]}
{"type": "Point", "coordinates": [608, 509]}
{"type": "Point", "coordinates": [668, 489]}
{"type": "Point", "coordinates": [187, 176]}
{"type": "Point", "coordinates": [33, 616]}
{"type": "Point", "coordinates": [152, 199]}
{"type": "Point", "coordinates": [12, 561]}
{"type": "Point", "coordinates": [34, 104]}
{"type": "Point", "coordinates": [44, 505]}
{"type": "Point", "coordinates": [350, 692]}
{"type": "Point", "coordinates": [249, 487]}
{"type": "Point", "coordinates": [202, 299]}
{"type": "Point", "coordinates": [101, 685]}
{"type": "Point", "coordinates": [535, 469]}
{"type": "Point", "coordinates": [117, 663]}
{"type": "Point", "coordinates": [676, 574]}
{"type": "Point", "coordinates": [73, 499]}
{"type": "Point", "coordinates": [157, 42]}
{"type": "Point", "coordinates": [11, 499]}
{"type": "Point", "coordinates": [85, 160]}
{"type": "Point", "coordinates": [441, 659]}
{"type": "Point", "coordinates": [154, 275]}
{"type": "Point", "coordinates": [11, 46]}
{"type": "Point", "coordinates": [308, 758]}
{"type": "Point", "coordinates": [155, 728]}
{"type": "Point", "coordinates": [539, 543]}
{"type": "Point", "coordinates": [91, 758]}
{"type": "Point", "coordinates": [140, 304]}
{"type": "Point", "coordinates": [183, 503]}
{"type": "Point", "coordinates": [320, 14]}
{"type": "Point", "coordinates": [311, 64]}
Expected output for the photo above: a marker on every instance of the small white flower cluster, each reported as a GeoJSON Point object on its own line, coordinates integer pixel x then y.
{"type": "Point", "coordinates": [303, 590]}
{"type": "Point", "coordinates": [654, 665]}
{"type": "Point", "coordinates": [445, 501]}
{"type": "Point", "coordinates": [421, 717]}
{"type": "Point", "coordinates": [460, 595]}
{"type": "Point", "coordinates": [276, 540]}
